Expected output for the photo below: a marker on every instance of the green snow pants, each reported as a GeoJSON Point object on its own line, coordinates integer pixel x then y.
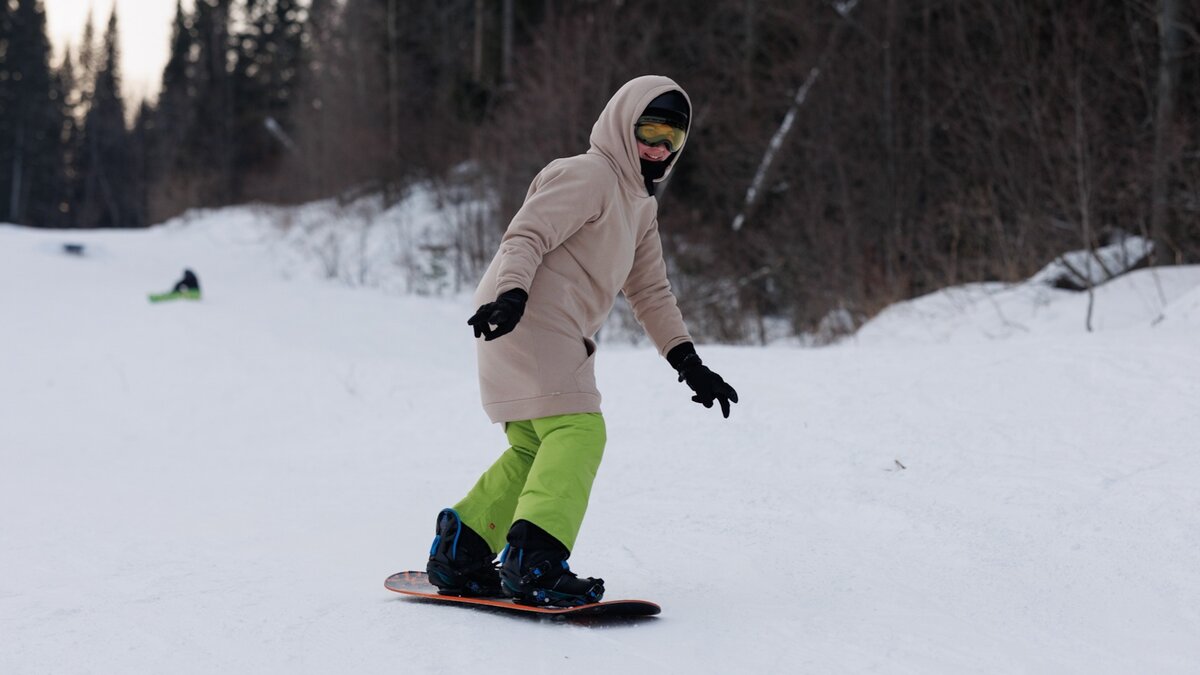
{"type": "Point", "coordinates": [545, 478]}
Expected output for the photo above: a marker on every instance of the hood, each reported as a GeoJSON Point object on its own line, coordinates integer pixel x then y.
{"type": "Point", "coordinates": [612, 135]}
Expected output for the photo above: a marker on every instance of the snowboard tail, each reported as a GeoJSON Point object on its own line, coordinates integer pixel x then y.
{"type": "Point", "coordinates": [417, 584]}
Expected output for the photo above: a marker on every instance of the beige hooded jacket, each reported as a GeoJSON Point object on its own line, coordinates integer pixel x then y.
{"type": "Point", "coordinates": [588, 229]}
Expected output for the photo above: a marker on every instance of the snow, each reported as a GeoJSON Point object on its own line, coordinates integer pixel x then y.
{"type": "Point", "coordinates": [1077, 270]}
{"type": "Point", "coordinates": [984, 312]}
{"type": "Point", "coordinates": [223, 485]}
{"type": "Point", "coordinates": [1184, 311]}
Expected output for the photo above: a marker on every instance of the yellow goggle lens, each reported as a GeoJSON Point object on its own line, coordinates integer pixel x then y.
{"type": "Point", "coordinates": [653, 132]}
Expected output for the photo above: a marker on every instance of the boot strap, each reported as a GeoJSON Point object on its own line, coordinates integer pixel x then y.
{"type": "Point", "coordinates": [540, 571]}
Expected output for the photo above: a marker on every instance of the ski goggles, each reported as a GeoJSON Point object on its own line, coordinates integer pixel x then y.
{"type": "Point", "coordinates": [653, 130]}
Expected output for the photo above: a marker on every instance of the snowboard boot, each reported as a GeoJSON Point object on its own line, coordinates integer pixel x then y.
{"type": "Point", "coordinates": [534, 570]}
{"type": "Point", "coordinates": [460, 561]}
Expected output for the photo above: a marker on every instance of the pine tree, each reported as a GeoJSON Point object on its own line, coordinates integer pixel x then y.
{"type": "Point", "coordinates": [268, 70]}
{"type": "Point", "coordinates": [169, 164]}
{"type": "Point", "coordinates": [30, 149]}
{"type": "Point", "coordinates": [251, 84]}
{"type": "Point", "coordinates": [138, 187]}
{"type": "Point", "coordinates": [282, 62]}
{"type": "Point", "coordinates": [8, 102]}
{"type": "Point", "coordinates": [312, 119]}
{"type": "Point", "coordinates": [359, 94]}
{"type": "Point", "coordinates": [66, 111]}
{"type": "Point", "coordinates": [210, 141]}
{"type": "Point", "coordinates": [88, 63]}
{"type": "Point", "coordinates": [105, 163]}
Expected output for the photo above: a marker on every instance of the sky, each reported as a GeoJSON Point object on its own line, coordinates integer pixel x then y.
{"type": "Point", "coordinates": [145, 27]}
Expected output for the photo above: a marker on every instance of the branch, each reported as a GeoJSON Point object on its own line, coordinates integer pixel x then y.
{"type": "Point", "coordinates": [843, 8]}
{"type": "Point", "coordinates": [781, 134]}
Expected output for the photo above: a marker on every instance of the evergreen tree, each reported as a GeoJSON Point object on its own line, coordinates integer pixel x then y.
{"type": "Point", "coordinates": [312, 115]}
{"type": "Point", "coordinates": [319, 25]}
{"type": "Point", "coordinates": [169, 164]}
{"type": "Point", "coordinates": [281, 60]}
{"type": "Point", "coordinates": [210, 141]}
{"type": "Point", "coordinates": [359, 94]}
{"type": "Point", "coordinates": [138, 187]}
{"type": "Point", "coordinates": [67, 99]}
{"type": "Point", "coordinates": [105, 162]}
{"type": "Point", "coordinates": [88, 64]}
{"type": "Point", "coordinates": [30, 124]}
{"type": "Point", "coordinates": [8, 102]}
{"type": "Point", "coordinates": [269, 66]}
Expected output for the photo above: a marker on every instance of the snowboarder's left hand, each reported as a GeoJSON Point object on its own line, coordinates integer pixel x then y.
{"type": "Point", "coordinates": [504, 314]}
{"type": "Point", "coordinates": [708, 386]}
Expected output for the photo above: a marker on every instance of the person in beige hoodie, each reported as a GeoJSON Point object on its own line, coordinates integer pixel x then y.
{"type": "Point", "coordinates": [588, 229]}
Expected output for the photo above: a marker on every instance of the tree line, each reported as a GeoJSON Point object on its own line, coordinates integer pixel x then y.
{"type": "Point", "coordinates": [843, 154]}
{"type": "Point", "coordinates": [73, 154]}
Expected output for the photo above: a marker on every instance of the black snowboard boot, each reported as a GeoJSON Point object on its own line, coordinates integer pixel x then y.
{"type": "Point", "coordinates": [460, 561]}
{"type": "Point", "coordinates": [534, 571]}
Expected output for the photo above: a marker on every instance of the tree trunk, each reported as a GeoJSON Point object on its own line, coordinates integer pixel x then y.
{"type": "Point", "coordinates": [757, 185]}
{"type": "Point", "coordinates": [1083, 184]}
{"type": "Point", "coordinates": [749, 46]}
{"type": "Point", "coordinates": [506, 44]}
{"type": "Point", "coordinates": [393, 101]}
{"type": "Point", "coordinates": [1170, 38]}
{"type": "Point", "coordinates": [14, 203]}
{"type": "Point", "coordinates": [889, 143]}
{"type": "Point", "coordinates": [754, 192]}
{"type": "Point", "coordinates": [477, 55]}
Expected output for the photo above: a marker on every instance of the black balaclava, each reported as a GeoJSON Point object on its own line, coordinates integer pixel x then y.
{"type": "Point", "coordinates": [673, 107]}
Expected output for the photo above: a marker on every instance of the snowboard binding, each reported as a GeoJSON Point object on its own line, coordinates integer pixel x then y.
{"type": "Point", "coordinates": [460, 561]}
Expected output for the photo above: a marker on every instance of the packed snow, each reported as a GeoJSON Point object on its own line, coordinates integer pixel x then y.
{"type": "Point", "coordinates": [974, 483]}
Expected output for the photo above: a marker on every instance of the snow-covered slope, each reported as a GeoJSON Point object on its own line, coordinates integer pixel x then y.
{"type": "Point", "coordinates": [222, 486]}
{"type": "Point", "coordinates": [1184, 311]}
{"type": "Point", "coordinates": [988, 311]}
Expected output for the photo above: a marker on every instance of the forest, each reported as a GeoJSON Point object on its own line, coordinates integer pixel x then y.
{"type": "Point", "coordinates": [843, 154]}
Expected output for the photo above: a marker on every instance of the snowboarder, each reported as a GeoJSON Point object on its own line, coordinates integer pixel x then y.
{"type": "Point", "coordinates": [587, 230]}
{"type": "Point", "coordinates": [189, 282]}
{"type": "Point", "coordinates": [187, 288]}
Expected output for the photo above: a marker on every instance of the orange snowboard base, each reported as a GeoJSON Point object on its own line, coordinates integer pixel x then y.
{"type": "Point", "coordinates": [417, 584]}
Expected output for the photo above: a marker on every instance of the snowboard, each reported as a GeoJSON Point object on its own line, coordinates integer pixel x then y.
{"type": "Point", "coordinates": [175, 295]}
{"type": "Point", "coordinates": [417, 584]}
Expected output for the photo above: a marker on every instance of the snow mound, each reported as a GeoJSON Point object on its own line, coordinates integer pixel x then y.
{"type": "Point", "coordinates": [1077, 270]}
{"type": "Point", "coordinates": [991, 311]}
{"type": "Point", "coordinates": [413, 247]}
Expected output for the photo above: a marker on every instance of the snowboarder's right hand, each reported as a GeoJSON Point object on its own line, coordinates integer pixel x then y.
{"type": "Point", "coordinates": [498, 318]}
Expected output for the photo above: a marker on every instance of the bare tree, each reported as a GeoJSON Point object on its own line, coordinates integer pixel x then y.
{"type": "Point", "coordinates": [1170, 41]}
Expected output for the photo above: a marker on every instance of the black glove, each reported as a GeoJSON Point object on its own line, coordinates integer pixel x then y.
{"type": "Point", "coordinates": [708, 385]}
{"type": "Point", "coordinates": [504, 314]}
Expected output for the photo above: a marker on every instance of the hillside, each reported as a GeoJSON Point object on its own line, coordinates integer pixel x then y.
{"type": "Point", "coordinates": [974, 484]}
